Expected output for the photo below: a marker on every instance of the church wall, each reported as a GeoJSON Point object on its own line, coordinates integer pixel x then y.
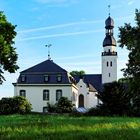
{"type": "Point", "coordinates": [111, 48]}
{"type": "Point", "coordinates": [109, 73]}
{"type": "Point", "coordinates": [92, 100]}
{"type": "Point", "coordinates": [89, 97]}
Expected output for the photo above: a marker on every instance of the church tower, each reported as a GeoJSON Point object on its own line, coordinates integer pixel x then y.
{"type": "Point", "coordinates": [109, 54]}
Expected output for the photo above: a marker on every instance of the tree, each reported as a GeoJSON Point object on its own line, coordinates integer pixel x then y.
{"type": "Point", "coordinates": [8, 56]}
{"type": "Point", "coordinates": [77, 73]}
{"type": "Point", "coordinates": [130, 37]}
{"type": "Point", "coordinates": [115, 99]}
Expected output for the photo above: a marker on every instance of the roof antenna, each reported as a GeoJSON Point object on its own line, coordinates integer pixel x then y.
{"type": "Point", "coordinates": [49, 45]}
{"type": "Point", "coordinates": [109, 7]}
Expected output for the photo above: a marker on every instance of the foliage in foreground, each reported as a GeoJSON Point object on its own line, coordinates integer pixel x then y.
{"type": "Point", "coordinates": [115, 100]}
{"type": "Point", "coordinates": [17, 104]}
{"type": "Point", "coordinates": [48, 127]}
{"type": "Point", "coordinates": [8, 56]}
{"type": "Point", "coordinates": [63, 106]}
{"type": "Point", "coordinates": [129, 36]}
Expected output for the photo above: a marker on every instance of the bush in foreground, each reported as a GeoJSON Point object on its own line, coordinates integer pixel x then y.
{"type": "Point", "coordinates": [63, 106]}
{"type": "Point", "coordinates": [14, 105]}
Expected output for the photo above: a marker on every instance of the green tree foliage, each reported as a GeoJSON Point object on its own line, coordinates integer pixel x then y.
{"type": "Point", "coordinates": [77, 73]}
{"type": "Point", "coordinates": [8, 56]}
{"type": "Point", "coordinates": [14, 105]}
{"type": "Point", "coordinates": [64, 105]}
{"type": "Point", "coordinates": [130, 37]}
{"type": "Point", "coordinates": [115, 100]}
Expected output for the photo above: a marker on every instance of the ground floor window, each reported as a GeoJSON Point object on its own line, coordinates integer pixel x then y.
{"type": "Point", "coordinates": [58, 94]}
{"type": "Point", "coordinates": [45, 109]}
{"type": "Point", "coordinates": [46, 95]}
{"type": "Point", "coordinates": [22, 93]}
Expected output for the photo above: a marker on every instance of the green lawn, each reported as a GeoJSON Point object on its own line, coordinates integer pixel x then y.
{"type": "Point", "coordinates": [48, 127]}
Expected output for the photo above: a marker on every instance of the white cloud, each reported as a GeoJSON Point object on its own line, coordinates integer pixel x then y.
{"type": "Point", "coordinates": [60, 35]}
{"type": "Point", "coordinates": [60, 26]}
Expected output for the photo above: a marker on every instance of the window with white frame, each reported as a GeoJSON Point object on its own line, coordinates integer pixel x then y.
{"type": "Point", "coordinates": [22, 93]}
{"type": "Point", "coordinates": [23, 78]}
{"type": "Point", "coordinates": [58, 94]}
{"type": "Point", "coordinates": [46, 95]}
{"type": "Point", "coordinates": [46, 78]}
{"type": "Point", "coordinates": [59, 78]}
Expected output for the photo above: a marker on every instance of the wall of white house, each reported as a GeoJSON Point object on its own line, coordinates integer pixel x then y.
{"type": "Point", "coordinates": [34, 93]}
{"type": "Point", "coordinates": [90, 100]}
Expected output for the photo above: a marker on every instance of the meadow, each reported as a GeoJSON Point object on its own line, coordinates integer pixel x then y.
{"type": "Point", "coordinates": [64, 127]}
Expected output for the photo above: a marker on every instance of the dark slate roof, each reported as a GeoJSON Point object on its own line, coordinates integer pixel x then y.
{"type": "Point", "coordinates": [109, 41]}
{"type": "Point", "coordinates": [94, 79]}
{"type": "Point", "coordinates": [46, 66]}
{"type": "Point", "coordinates": [35, 74]}
{"type": "Point", "coordinates": [109, 23]}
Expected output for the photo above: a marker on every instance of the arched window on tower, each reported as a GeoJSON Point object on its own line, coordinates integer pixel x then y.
{"type": "Point", "coordinates": [107, 63]}
{"type": "Point", "coordinates": [111, 63]}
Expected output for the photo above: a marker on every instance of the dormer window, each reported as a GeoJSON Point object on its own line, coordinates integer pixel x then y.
{"type": "Point", "coordinates": [23, 78]}
{"type": "Point", "coordinates": [46, 78]}
{"type": "Point", "coordinates": [59, 78]}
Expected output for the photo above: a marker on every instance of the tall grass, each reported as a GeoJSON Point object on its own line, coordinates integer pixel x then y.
{"type": "Point", "coordinates": [48, 127]}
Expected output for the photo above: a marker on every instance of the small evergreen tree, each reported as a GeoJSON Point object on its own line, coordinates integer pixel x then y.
{"type": "Point", "coordinates": [115, 99]}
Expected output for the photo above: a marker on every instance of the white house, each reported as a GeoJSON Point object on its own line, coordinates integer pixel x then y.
{"type": "Point", "coordinates": [47, 82]}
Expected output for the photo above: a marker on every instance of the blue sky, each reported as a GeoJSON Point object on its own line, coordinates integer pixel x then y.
{"type": "Point", "coordinates": [75, 28]}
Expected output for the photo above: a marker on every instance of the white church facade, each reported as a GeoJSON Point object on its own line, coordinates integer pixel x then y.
{"type": "Point", "coordinates": [46, 82]}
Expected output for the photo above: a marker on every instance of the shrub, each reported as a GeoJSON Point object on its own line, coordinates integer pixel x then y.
{"type": "Point", "coordinates": [64, 105]}
{"type": "Point", "coordinates": [6, 106]}
{"type": "Point", "coordinates": [98, 111]}
{"type": "Point", "coordinates": [21, 105]}
{"type": "Point", "coordinates": [14, 105]}
{"type": "Point", "coordinates": [51, 108]}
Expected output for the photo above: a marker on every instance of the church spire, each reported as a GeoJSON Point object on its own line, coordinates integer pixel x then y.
{"type": "Point", "coordinates": [109, 54]}
{"type": "Point", "coordinates": [109, 7]}
{"type": "Point", "coordinates": [109, 38]}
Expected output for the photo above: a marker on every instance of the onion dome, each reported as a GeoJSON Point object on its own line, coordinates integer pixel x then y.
{"type": "Point", "coordinates": [109, 23]}
{"type": "Point", "coordinates": [109, 41]}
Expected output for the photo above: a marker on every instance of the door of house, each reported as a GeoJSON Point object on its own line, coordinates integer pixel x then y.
{"type": "Point", "coordinates": [81, 100]}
